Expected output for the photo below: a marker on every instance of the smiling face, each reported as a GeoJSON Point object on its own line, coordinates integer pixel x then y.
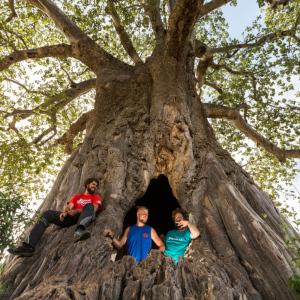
{"type": "Point", "coordinates": [92, 187]}
{"type": "Point", "coordinates": [142, 216]}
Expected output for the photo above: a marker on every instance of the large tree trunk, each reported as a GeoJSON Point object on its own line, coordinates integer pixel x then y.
{"type": "Point", "coordinates": [147, 124]}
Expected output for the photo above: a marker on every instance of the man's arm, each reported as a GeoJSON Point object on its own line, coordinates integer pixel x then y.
{"type": "Point", "coordinates": [78, 211]}
{"type": "Point", "coordinates": [67, 210]}
{"type": "Point", "coordinates": [116, 243]}
{"type": "Point", "coordinates": [96, 207]}
{"type": "Point", "coordinates": [155, 238]}
{"type": "Point", "coordinates": [194, 230]}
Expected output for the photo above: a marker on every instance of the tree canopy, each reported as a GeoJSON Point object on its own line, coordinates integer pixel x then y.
{"type": "Point", "coordinates": [48, 86]}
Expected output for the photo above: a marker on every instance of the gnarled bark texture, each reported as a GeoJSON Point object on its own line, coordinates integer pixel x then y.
{"type": "Point", "coordinates": [150, 122]}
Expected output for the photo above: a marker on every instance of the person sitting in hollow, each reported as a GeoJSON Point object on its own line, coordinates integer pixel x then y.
{"type": "Point", "coordinates": [138, 237]}
{"type": "Point", "coordinates": [177, 240]}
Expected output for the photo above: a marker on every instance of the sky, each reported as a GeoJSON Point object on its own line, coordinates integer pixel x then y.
{"type": "Point", "coordinates": [238, 18]}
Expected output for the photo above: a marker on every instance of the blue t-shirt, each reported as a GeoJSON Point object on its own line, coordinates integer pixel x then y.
{"type": "Point", "coordinates": [176, 243]}
{"type": "Point", "coordinates": [139, 242]}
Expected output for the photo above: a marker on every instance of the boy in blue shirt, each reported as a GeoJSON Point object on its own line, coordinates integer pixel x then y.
{"type": "Point", "coordinates": [177, 240]}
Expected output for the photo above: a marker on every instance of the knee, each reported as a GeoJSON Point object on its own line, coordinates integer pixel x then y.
{"type": "Point", "coordinates": [88, 206]}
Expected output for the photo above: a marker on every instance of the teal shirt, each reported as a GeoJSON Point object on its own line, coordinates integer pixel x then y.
{"type": "Point", "coordinates": [176, 243]}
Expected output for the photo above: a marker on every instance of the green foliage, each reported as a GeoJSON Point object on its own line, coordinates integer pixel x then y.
{"type": "Point", "coordinates": [293, 244]}
{"type": "Point", "coordinates": [295, 284]}
{"type": "Point", "coordinates": [14, 215]}
{"type": "Point", "coordinates": [271, 92]}
{"type": "Point", "coordinates": [2, 284]}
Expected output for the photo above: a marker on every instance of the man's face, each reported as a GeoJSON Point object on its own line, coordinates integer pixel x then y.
{"type": "Point", "coordinates": [143, 216]}
{"type": "Point", "coordinates": [178, 218]}
{"type": "Point", "coordinates": [92, 187]}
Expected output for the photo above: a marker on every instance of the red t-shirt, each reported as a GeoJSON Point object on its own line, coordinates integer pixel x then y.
{"type": "Point", "coordinates": [80, 200]}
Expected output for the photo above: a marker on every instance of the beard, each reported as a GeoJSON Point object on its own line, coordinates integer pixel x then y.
{"type": "Point", "coordinates": [143, 221]}
{"type": "Point", "coordinates": [90, 191]}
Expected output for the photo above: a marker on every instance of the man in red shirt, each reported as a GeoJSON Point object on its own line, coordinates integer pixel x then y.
{"type": "Point", "coordinates": [80, 210]}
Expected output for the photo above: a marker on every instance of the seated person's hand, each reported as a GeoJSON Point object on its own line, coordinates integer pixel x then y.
{"type": "Point", "coordinates": [73, 212]}
{"type": "Point", "coordinates": [62, 216]}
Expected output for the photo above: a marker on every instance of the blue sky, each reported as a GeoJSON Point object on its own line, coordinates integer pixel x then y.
{"type": "Point", "coordinates": [240, 16]}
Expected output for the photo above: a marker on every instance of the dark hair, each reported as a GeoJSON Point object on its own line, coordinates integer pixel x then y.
{"type": "Point", "coordinates": [90, 180]}
{"type": "Point", "coordinates": [180, 211]}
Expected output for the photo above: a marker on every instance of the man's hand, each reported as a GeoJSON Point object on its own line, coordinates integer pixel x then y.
{"type": "Point", "coordinates": [108, 233]}
{"type": "Point", "coordinates": [194, 230]}
{"type": "Point", "coordinates": [182, 224]}
{"type": "Point", "coordinates": [62, 216]}
{"type": "Point", "coordinates": [73, 212]}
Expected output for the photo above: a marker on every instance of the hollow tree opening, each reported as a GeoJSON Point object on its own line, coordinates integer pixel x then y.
{"type": "Point", "coordinates": [160, 201]}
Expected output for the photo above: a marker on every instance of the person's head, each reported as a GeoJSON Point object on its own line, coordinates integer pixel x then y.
{"type": "Point", "coordinates": [142, 214]}
{"type": "Point", "coordinates": [91, 185]}
{"type": "Point", "coordinates": [178, 215]}
{"type": "Point", "coordinates": [162, 236]}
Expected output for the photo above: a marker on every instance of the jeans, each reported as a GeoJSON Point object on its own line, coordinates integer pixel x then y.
{"type": "Point", "coordinates": [48, 217]}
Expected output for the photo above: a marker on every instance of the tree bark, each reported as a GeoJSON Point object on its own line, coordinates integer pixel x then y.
{"type": "Point", "coordinates": [147, 123]}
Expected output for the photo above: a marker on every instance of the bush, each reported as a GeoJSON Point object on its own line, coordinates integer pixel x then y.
{"type": "Point", "coordinates": [292, 244]}
{"type": "Point", "coordinates": [14, 215]}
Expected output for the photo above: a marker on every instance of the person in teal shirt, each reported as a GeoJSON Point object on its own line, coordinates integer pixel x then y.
{"type": "Point", "coordinates": [178, 239]}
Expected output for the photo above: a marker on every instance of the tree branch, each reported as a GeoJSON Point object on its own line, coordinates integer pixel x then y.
{"type": "Point", "coordinates": [297, 39]}
{"type": "Point", "coordinates": [201, 49]}
{"type": "Point", "coordinates": [261, 41]}
{"type": "Point", "coordinates": [18, 36]}
{"type": "Point", "coordinates": [212, 5]}
{"type": "Point", "coordinates": [215, 4]}
{"type": "Point", "coordinates": [13, 12]}
{"type": "Point", "coordinates": [229, 70]}
{"type": "Point", "coordinates": [152, 11]}
{"type": "Point", "coordinates": [71, 31]}
{"type": "Point", "coordinates": [233, 115]}
{"type": "Point", "coordinates": [60, 51]}
{"type": "Point", "coordinates": [202, 68]}
{"type": "Point", "coordinates": [75, 128]}
{"type": "Point", "coordinates": [24, 87]}
{"type": "Point", "coordinates": [84, 48]}
{"type": "Point", "coordinates": [125, 40]}
{"type": "Point", "coordinates": [77, 90]}
{"type": "Point", "coordinates": [213, 85]}
{"type": "Point", "coordinates": [181, 24]}
{"type": "Point", "coordinates": [42, 135]}
{"type": "Point", "coordinates": [60, 100]}
{"type": "Point", "coordinates": [277, 4]}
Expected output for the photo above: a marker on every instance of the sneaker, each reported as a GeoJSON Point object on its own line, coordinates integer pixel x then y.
{"type": "Point", "coordinates": [24, 250]}
{"type": "Point", "coordinates": [81, 234]}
